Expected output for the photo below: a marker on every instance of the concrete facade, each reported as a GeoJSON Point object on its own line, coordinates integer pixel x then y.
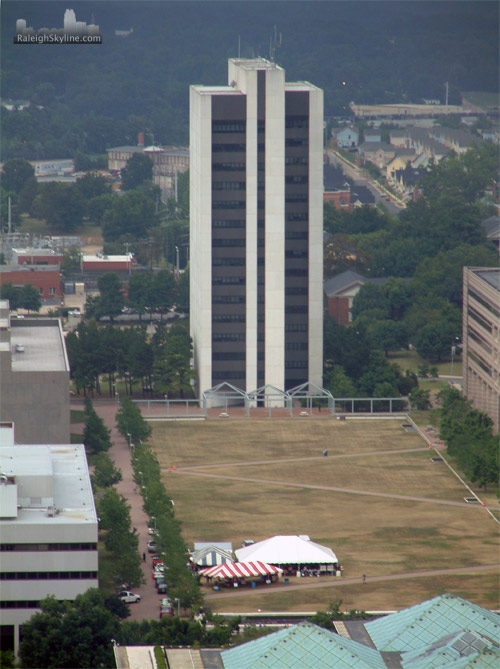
{"type": "Point", "coordinates": [34, 383]}
{"type": "Point", "coordinates": [481, 340]}
{"type": "Point", "coordinates": [256, 229]}
{"type": "Point", "coordinates": [48, 527]}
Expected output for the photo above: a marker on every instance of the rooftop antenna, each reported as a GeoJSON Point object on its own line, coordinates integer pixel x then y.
{"type": "Point", "coordinates": [239, 46]}
{"type": "Point", "coordinates": [274, 44]}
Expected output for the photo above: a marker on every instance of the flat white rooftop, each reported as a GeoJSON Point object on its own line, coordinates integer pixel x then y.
{"type": "Point", "coordinates": [67, 464]}
{"type": "Point", "coordinates": [44, 349]}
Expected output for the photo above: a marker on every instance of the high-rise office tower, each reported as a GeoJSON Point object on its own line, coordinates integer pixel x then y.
{"type": "Point", "coordinates": [256, 262]}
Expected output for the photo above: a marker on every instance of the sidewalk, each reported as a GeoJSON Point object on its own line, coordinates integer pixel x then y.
{"type": "Point", "coordinates": [149, 606]}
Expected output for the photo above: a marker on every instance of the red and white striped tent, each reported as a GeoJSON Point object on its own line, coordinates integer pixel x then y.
{"type": "Point", "coordinates": [241, 570]}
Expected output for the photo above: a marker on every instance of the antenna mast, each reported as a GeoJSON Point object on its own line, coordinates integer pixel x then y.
{"type": "Point", "coordinates": [274, 44]}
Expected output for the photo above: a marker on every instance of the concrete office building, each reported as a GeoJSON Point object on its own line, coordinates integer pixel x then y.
{"type": "Point", "coordinates": [481, 340]}
{"type": "Point", "coordinates": [34, 378]}
{"type": "Point", "coordinates": [256, 229]}
{"type": "Point", "coordinates": [48, 528]}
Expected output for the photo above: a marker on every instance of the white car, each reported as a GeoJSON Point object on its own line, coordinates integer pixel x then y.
{"type": "Point", "coordinates": [20, 348]}
{"type": "Point", "coordinates": [129, 597]}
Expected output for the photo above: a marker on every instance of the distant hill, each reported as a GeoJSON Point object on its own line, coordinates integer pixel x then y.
{"type": "Point", "coordinates": [96, 96]}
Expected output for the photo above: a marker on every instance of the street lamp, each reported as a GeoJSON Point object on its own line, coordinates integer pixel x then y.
{"type": "Point", "coordinates": [177, 260]}
{"type": "Point", "coordinates": [453, 351]}
{"type": "Point", "coordinates": [129, 438]}
{"type": "Point", "coordinates": [176, 599]}
{"type": "Point", "coordinates": [153, 518]}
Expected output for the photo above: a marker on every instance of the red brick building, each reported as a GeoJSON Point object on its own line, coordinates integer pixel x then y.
{"type": "Point", "coordinates": [45, 278]}
{"type": "Point", "coordinates": [36, 257]}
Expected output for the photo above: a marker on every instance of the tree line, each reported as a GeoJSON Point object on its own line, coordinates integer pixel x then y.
{"type": "Point", "coordinates": [469, 437]}
{"type": "Point", "coordinates": [161, 364]}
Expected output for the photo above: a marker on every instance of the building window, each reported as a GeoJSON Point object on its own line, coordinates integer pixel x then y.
{"type": "Point", "coordinates": [297, 309]}
{"type": "Point", "coordinates": [52, 291]}
{"type": "Point", "coordinates": [296, 327]}
{"type": "Point", "coordinates": [48, 547]}
{"type": "Point", "coordinates": [217, 223]}
{"type": "Point", "coordinates": [228, 318]}
{"type": "Point", "coordinates": [228, 356]}
{"type": "Point", "coordinates": [228, 204]}
{"type": "Point", "coordinates": [228, 299]}
{"type": "Point", "coordinates": [230, 148]}
{"type": "Point", "coordinates": [226, 337]}
{"type": "Point", "coordinates": [45, 575]}
{"type": "Point", "coordinates": [228, 185]}
{"type": "Point", "coordinates": [228, 242]}
{"type": "Point", "coordinates": [223, 376]}
{"type": "Point", "coordinates": [228, 126]}
{"type": "Point", "coordinates": [228, 262]}
{"type": "Point", "coordinates": [229, 167]}
{"type": "Point", "coordinates": [297, 122]}
{"type": "Point", "coordinates": [232, 280]}
{"type": "Point", "coordinates": [295, 254]}
{"type": "Point", "coordinates": [296, 364]}
{"type": "Point", "coordinates": [297, 179]}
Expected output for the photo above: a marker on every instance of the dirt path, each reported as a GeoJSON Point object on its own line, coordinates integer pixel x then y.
{"type": "Point", "coordinates": [352, 491]}
{"type": "Point", "coordinates": [281, 461]}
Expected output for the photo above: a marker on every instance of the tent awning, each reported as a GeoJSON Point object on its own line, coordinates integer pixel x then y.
{"type": "Point", "coordinates": [287, 550]}
{"type": "Point", "coordinates": [241, 570]}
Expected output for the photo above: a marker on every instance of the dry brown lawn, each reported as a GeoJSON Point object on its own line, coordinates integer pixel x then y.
{"type": "Point", "coordinates": [239, 479]}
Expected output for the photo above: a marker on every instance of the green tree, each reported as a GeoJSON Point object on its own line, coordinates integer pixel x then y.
{"type": "Point", "coordinates": [139, 169]}
{"type": "Point", "coordinates": [121, 539]}
{"type": "Point", "coordinates": [132, 213]}
{"type": "Point", "coordinates": [388, 335]}
{"type": "Point", "coordinates": [339, 384]}
{"type": "Point", "coordinates": [110, 300]}
{"type": "Point", "coordinates": [71, 261]}
{"type": "Point", "coordinates": [15, 174]}
{"type": "Point", "coordinates": [96, 435]}
{"type": "Point", "coordinates": [30, 297]}
{"type": "Point", "coordinates": [172, 371]}
{"type": "Point", "coordinates": [91, 186]}
{"type": "Point", "coordinates": [164, 291]}
{"type": "Point", "coordinates": [105, 473]}
{"type": "Point", "coordinates": [70, 634]}
{"type": "Point", "coordinates": [98, 206]}
{"type": "Point", "coordinates": [420, 398]}
{"type": "Point", "coordinates": [61, 205]}
{"type": "Point", "coordinates": [129, 420]}
{"type": "Point", "coordinates": [141, 295]}
{"type": "Point", "coordinates": [434, 342]}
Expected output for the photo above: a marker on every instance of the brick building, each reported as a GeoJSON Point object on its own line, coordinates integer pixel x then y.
{"type": "Point", "coordinates": [45, 278]}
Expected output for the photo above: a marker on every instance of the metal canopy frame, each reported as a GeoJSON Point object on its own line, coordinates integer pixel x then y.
{"type": "Point", "coordinates": [310, 391]}
{"type": "Point", "coordinates": [270, 396]}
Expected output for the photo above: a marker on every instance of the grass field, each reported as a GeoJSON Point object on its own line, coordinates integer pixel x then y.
{"type": "Point", "coordinates": [239, 479]}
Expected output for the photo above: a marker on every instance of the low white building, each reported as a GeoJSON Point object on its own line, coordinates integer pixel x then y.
{"type": "Point", "coordinates": [48, 529]}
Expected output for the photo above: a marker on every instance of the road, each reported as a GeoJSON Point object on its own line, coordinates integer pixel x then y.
{"type": "Point", "coordinates": [393, 205]}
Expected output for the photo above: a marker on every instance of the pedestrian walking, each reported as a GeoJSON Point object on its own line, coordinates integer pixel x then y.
{"type": "Point", "coordinates": [364, 578]}
{"type": "Point", "coordinates": [135, 487]}
{"type": "Point", "coordinates": [325, 452]}
{"type": "Point", "coordinates": [144, 557]}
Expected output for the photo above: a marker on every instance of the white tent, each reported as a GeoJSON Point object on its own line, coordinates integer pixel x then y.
{"type": "Point", "coordinates": [287, 550]}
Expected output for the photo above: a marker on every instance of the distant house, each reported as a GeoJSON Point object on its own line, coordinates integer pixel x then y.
{"type": "Point", "coordinates": [378, 153]}
{"type": "Point", "coordinates": [373, 135]}
{"type": "Point", "coordinates": [346, 137]}
{"type": "Point", "coordinates": [399, 162]}
{"type": "Point", "coordinates": [491, 227]}
{"type": "Point", "coordinates": [340, 292]}
{"type": "Point", "coordinates": [337, 189]}
{"type": "Point", "coordinates": [456, 140]}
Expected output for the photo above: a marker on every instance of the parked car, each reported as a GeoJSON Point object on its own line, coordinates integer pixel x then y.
{"type": "Point", "coordinates": [129, 597]}
{"type": "Point", "coordinates": [161, 586]}
{"type": "Point", "coordinates": [152, 546]}
{"type": "Point", "coordinates": [20, 348]}
{"type": "Point", "coordinates": [166, 608]}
